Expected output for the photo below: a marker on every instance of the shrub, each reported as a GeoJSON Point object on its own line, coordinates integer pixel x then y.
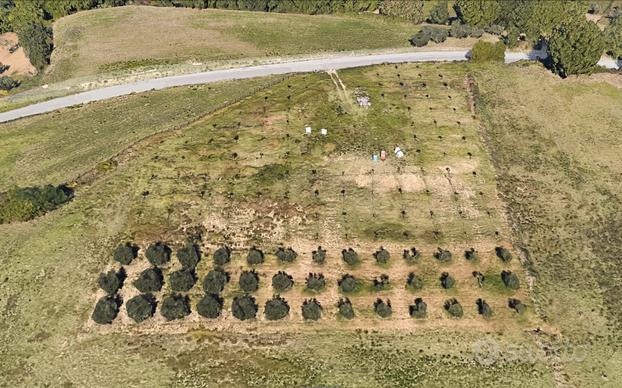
{"type": "Point", "coordinates": [439, 14]}
{"type": "Point", "coordinates": [494, 29]}
{"type": "Point", "coordinates": [189, 255]}
{"type": "Point", "coordinates": [413, 281]}
{"type": "Point", "coordinates": [244, 307]}
{"type": "Point", "coordinates": [382, 256]}
{"type": "Point", "coordinates": [276, 308]}
{"type": "Point", "coordinates": [350, 256]}
{"type": "Point", "coordinates": [345, 308]}
{"type": "Point", "coordinates": [382, 308]}
{"type": "Point", "coordinates": [347, 283]}
{"type": "Point", "coordinates": [381, 282]}
{"type": "Point", "coordinates": [459, 30]}
{"type": "Point", "coordinates": [476, 32]}
{"type": "Point", "coordinates": [222, 255]}
{"type": "Point", "coordinates": [479, 277]}
{"type": "Point", "coordinates": [175, 306]}
{"type": "Point", "coordinates": [447, 281]}
{"type": "Point", "coordinates": [125, 253]}
{"type": "Point", "coordinates": [111, 281]}
{"type": "Point", "coordinates": [471, 254]}
{"type": "Point", "coordinates": [254, 256]}
{"type": "Point", "coordinates": [7, 83]}
{"type": "Point", "coordinates": [315, 282]}
{"type": "Point", "coordinates": [210, 306]}
{"type": "Point", "coordinates": [503, 254]}
{"type": "Point", "coordinates": [287, 255]}
{"type": "Point", "coordinates": [182, 280]}
{"type": "Point", "coordinates": [150, 280]}
{"type": "Point", "coordinates": [510, 280]}
{"type": "Point", "coordinates": [106, 310]}
{"type": "Point", "coordinates": [483, 308]}
{"type": "Point", "coordinates": [427, 33]}
{"type": "Point", "coordinates": [319, 256]}
{"type": "Point", "coordinates": [575, 47]}
{"type": "Point", "coordinates": [442, 255]}
{"type": "Point", "coordinates": [215, 281]}
{"type": "Point", "coordinates": [26, 203]}
{"type": "Point", "coordinates": [311, 309]}
{"type": "Point", "coordinates": [488, 52]}
{"type": "Point", "coordinates": [411, 255]}
{"type": "Point", "coordinates": [419, 309]}
{"type": "Point", "coordinates": [281, 281]}
{"type": "Point", "coordinates": [141, 307]}
{"type": "Point", "coordinates": [249, 281]}
{"type": "Point", "coordinates": [517, 305]}
{"type": "Point", "coordinates": [453, 307]}
{"type": "Point", "coordinates": [411, 10]}
{"type": "Point", "coordinates": [158, 254]}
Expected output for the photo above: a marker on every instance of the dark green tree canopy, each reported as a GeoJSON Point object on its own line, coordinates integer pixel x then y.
{"type": "Point", "coordinates": [413, 281]}
{"type": "Point", "coordinates": [276, 308]}
{"type": "Point", "coordinates": [345, 308]}
{"type": "Point", "coordinates": [411, 255]}
{"type": "Point", "coordinates": [215, 281]}
{"type": "Point", "coordinates": [381, 282]}
{"type": "Point", "coordinates": [210, 306]}
{"type": "Point", "coordinates": [442, 255]}
{"type": "Point", "coordinates": [106, 310]}
{"type": "Point", "coordinates": [26, 203]}
{"type": "Point", "coordinates": [439, 14]}
{"type": "Point", "coordinates": [418, 309]}
{"type": "Point", "coordinates": [453, 307]}
{"type": "Point", "coordinates": [613, 37]}
{"type": "Point", "coordinates": [382, 256]}
{"type": "Point", "coordinates": [405, 9]}
{"type": "Point", "coordinates": [311, 309]}
{"type": "Point", "coordinates": [249, 281]}
{"type": "Point", "coordinates": [287, 255]}
{"type": "Point", "coordinates": [350, 256]}
{"type": "Point", "coordinates": [111, 281]}
{"type": "Point", "coordinates": [319, 255]}
{"type": "Point", "coordinates": [315, 282]}
{"type": "Point", "coordinates": [470, 254]}
{"type": "Point", "coordinates": [483, 308]}
{"type": "Point", "coordinates": [158, 254]}
{"type": "Point", "coordinates": [488, 52]}
{"type": "Point", "coordinates": [575, 46]}
{"type": "Point", "coordinates": [281, 281]}
{"type": "Point", "coordinates": [182, 280]}
{"type": "Point", "coordinates": [150, 280]}
{"type": "Point", "coordinates": [510, 280]}
{"type": "Point", "coordinates": [347, 283]}
{"type": "Point", "coordinates": [447, 281]}
{"type": "Point", "coordinates": [382, 308]}
{"type": "Point", "coordinates": [503, 254]}
{"type": "Point", "coordinates": [141, 307]}
{"type": "Point", "coordinates": [244, 307]}
{"type": "Point", "coordinates": [175, 306]}
{"type": "Point", "coordinates": [255, 256]}
{"type": "Point", "coordinates": [222, 255]}
{"type": "Point", "coordinates": [189, 255]}
{"type": "Point", "coordinates": [125, 253]}
{"type": "Point", "coordinates": [478, 13]}
{"type": "Point", "coordinates": [517, 305]}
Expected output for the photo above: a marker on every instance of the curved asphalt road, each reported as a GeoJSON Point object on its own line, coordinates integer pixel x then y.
{"type": "Point", "coordinates": [341, 62]}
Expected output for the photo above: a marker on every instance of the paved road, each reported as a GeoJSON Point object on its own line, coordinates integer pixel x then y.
{"type": "Point", "coordinates": [341, 62]}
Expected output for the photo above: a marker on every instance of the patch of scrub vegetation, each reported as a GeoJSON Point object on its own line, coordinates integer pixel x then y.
{"type": "Point", "coordinates": [26, 203]}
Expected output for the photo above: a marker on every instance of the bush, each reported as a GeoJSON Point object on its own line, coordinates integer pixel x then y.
{"type": "Point", "coordinates": [158, 254]}
{"type": "Point", "coordinates": [215, 281]}
{"type": "Point", "coordinates": [222, 255]}
{"type": "Point", "coordinates": [414, 282]}
{"type": "Point", "coordinates": [503, 254]}
{"type": "Point", "coordinates": [141, 307]}
{"type": "Point", "coordinates": [447, 281]}
{"type": "Point", "coordinates": [575, 47]}
{"type": "Point", "coordinates": [483, 308]}
{"type": "Point", "coordinates": [471, 254]}
{"type": "Point", "coordinates": [345, 308]}
{"type": "Point", "coordinates": [411, 255]}
{"type": "Point", "coordinates": [281, 281]}
{"type": "Point", "coordinates": [189, 255]}
{"type": "Point", "coordinates": [112, 281]}
{"type": "Point", "coordinates": [150, 280]}
{"type": "Point", "coordinates": [210, 306]}
{"type": "Point", "coordinates": [453, 307]}
{"type": "Point", "coordinates": [494, 29]}
{"type": "Point", "coordinates": [7, 83]}
{"type": "Point", "coordinates": [488, 52]}
{"type": "Point", "coordinates": [315, 282]}
{"type": "Point", "coordinates": [382, 256]}
{"type": "Point", "coordinates": [411, 10]}
{"type": "Point", "coordinates": [125, 253]}
{"type": "Point", "coordinates": [175, 306]}
{"type": "Point", "coordinates": [476, 32]}
{"type": "Point", "coordinates": [477, 13]}
{"type": "Point", "coordinates": [510, 280]}
{"type": "Point", "coordinates": [419, 309]}
{"type": "Point", "coordinates": [381, 282]}
{"type": "Point", "coordinates": [254, 256]}
{"type": "Point", "coordinates": [350, 256]}
{"type": "Point", "coordinates": [26, 203]}
{"type": "Point", "coordinates": [244, 307]}
{"type": "Point", "coordinates": [182, 280]}
{"type": "Point", "coordinates": [459, 30]}
{"type": "Point", "coordinates": [319, 256]}
{"type": "Point", "coordinates": [442, 255]}
{"type": "Point", "coordinates": [106, 310]}
{"type": "Point", "coordinates": [287, 255]}
{"type": "Point", "coordinates": [276, 308]}
{"type": "Point", "coordinates": [517, 305]}
{"type": "Point", "coordinates": [439, 13]}
{"type": "Point", "coordinates": [382, 308]}
{"type": "Point", "coordinates": [426, 34]}
{"type": "Point", "coordinates": [249, 281]}
{"type": "Point", "coordinates": [347, 283]}
{"type": "Point", "coordinates": [311, 309]}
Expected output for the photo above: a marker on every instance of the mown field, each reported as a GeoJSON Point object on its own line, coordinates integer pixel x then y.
{"type": "Point", "coordinates": [249, 175]}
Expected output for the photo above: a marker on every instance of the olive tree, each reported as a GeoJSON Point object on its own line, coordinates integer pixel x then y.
{"type": "Point", "coordinates": [189, 255]}
{"type": "Point", "coordinates": [382, 256]}
{"type": "Point", "coordinates": [222, 255]}
{"type": "Point", "coordinates": [315, 282]}
{"type": "Point", "coordinates": [347, 283]}
{"type": "Point", "coordinates": [503, 254]}
{"type": "Point", "coordinates": [249, 281]}
{"type": "Point", "coordinates": [125, 253]}
{"type": "Point", "coordinates": [244, 307]}
{"type": "Point", "coordinates": [175, 306]}
{"type": "Point", "coordinates": [111, 281]}
{"type": "Point", "coordinates": [447, 281]}
{"type": "Point", "coordinates": [381, 282]}
{"type": "Point", "coordinates": [453, 307]}
{"type": "Point", "coordinates": [182, 280]}
{"type": "Point", "coordinates": [255, 256]}
{"type": "Point", "coordinates": [158, 254]}
{"type": "Point", "coordinates": [418, 309]}
{"type": "Point", "coordinates": [150, 280]}
{"type": "Point", "coordinates": [319, 255]}
{"type": "Point", "coordinates": [442, 255]}
{"type": "Point", "coordinates": [350, 256]}
{"type": "Point", "coordinates": [510, 280]}
{"type": "Point", "coordinates": [345, 308]}
{"type": "Point", "coordinates": [411, 255]}
{"type": "Point", "coordinates": [106, 310]}
{"type": "Point", "coordinates": [483, 308]}
{"type": "Point", "coordinates": [210, 306]}
{"type": "Point", "coordinates": [287, 255]}
{"type": "Point", "coordinates": [215, 281]}
{"type": "Point", "coordinates": [414, 282]}
{"type": "Point", "coordinates": [141, 307]}
{"type": "Point", "coordinates": [479, 277]}
{"type": "Point", "coordinates": [281, 281]}
{"type": "Point", "coordinates": [470, 254]}
{"type": "Point", "coordinates": [311, 309]}
{"type": "Point", "coordinates": [382, 308]}
{"type": "Point", "coordinates": [276, 308]}
{"type": "Point", "coordinates": [517, 305]}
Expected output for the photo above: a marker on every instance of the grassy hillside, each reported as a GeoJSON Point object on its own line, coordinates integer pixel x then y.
{"type": "Point", "coordinates": [137, 36]}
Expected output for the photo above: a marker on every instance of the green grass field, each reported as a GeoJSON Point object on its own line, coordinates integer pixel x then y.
{"type": "Point", "coordinates": [246, 174]}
